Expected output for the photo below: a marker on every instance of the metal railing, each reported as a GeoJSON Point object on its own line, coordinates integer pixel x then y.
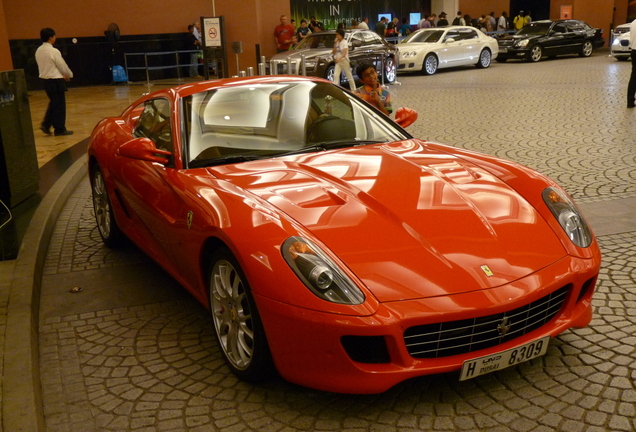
{"type": "Point", "coordinates": [177, 64]}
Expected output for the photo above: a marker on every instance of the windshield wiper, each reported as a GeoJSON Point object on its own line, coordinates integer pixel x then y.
{"type": "Point", "coordinates": [225, 160]}
{"type": "Point", "coordinates": [329, 145]}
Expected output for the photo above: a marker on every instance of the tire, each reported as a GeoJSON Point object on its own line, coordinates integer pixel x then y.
{"type": "Point", "coordinates": [485, 58]}
{"type": "Point", "coordinates": [106, 223]}
{"type": "Point", "coordinates": [587, 49]}
{"type": "Point", "coordinates": [390, 70]}
{"type": "Point", "coordinates": [329, 74]}
{"type": "Point", "coordinates": [237, 324]}
{"type": "Point", "coordinates": [429, 67]}
{"type": "Point", "coordinates": [535, 54]}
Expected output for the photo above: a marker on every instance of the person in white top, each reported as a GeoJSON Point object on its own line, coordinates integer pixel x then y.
{"type": "Point", "coordinates": [364, 24]}
{"type": "Point", "coordinates": [341, 57]}
{"type": "Point", "coordinates": [54, 73]}
{"type": "Point", "coordinates": [631, 87]}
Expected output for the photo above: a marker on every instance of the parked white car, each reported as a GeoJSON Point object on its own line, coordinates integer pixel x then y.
{"type": "Point", "coordinates": [427, 50]}
{"type": "Point", "coordinates": [620, 44]}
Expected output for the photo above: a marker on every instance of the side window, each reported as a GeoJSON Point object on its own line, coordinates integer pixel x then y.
{"type": "Point", "coordinates": [371, 38]}
{"type": "Point", "coordinates": [467, 34]}
{"type": "Point", "coordinates": [154, 123]}
{"type": "Point", "coordinates": [451, 35]}
{"type": "Point", "coordinates": [560, 28]}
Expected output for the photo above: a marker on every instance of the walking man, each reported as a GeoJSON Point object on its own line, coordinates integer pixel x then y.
{"type": "Point", "coordinates": [54, 73]}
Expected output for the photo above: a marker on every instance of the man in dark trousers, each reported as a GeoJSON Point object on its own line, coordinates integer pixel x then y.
{"type": "Point", "coordinates": [54, 73]}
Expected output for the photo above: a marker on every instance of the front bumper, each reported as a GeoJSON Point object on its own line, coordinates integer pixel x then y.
{"type": "Point", "coordinates": [311, 348]}
{"type": "Point", "coordinates": [620, 50]}
{"type": "Point", "coordinates": [506, 52]}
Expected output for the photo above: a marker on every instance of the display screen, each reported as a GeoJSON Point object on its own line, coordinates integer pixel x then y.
{"type": "Point", "coordinates": [387, 16]}
{"type": "Point", "coordinates": [415, 18]}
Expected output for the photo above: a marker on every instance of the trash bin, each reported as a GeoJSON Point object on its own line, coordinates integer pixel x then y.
{"type": "Point", "coordinates": [19, 173]}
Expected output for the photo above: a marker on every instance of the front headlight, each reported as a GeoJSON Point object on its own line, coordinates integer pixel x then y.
{"type": "Point", "coordinates": [568, 216]}
{"type": "Point", "coordinates": [310, 64]}
{"type": "Point", "coordinates": [319, 273]}
{"type": "Point", "coordinates": [523, 43]}
{"type": "Point", "coordinates": [408, 54]}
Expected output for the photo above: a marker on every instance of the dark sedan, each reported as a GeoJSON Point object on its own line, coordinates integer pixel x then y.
{"type": "Point", "coordinates": [550, 38]}
{"type": "Point", "coordinates": [364, 46]}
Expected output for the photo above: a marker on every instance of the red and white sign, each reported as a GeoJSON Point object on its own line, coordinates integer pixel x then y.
{"type": "Point", "coordinates": [212, 32]}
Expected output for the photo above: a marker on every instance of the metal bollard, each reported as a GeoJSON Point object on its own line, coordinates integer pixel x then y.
{"type": "Point", "coordinates": [273, 67]}
{"type": "Point", "coordinates": [289, 66]}
{"type": "Point", "coordinates": [262, 69]}
{"type": "Point", "coordinates": [303, 66]}
{"type": "Point", "coordinates": [242, 74]}
{"type": "Point", "coordinates": [250, 71]}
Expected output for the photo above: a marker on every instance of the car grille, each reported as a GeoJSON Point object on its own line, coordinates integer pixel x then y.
{"type": "Point", "coordinates": [621, 30]}
{"type": "Point", "coordinates": [624, 43]}
{"type": "Point", "coordinates": [460, 337]}
{"type": "Point", "coordinates": [506, 43]}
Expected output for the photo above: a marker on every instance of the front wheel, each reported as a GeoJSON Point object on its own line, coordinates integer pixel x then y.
{"type": "Point", "coordinates": [390, 70]}
{"type": "Point", "coordinates": [485, 57]}
{"type": "Point", "coordinates": [586, 49]}
{"type": "Point", "coordinates": [237, 323]}
{"type": "Point", "coordinates": [106, 223]}
{"type": "Point", "coordinates": [430, 64]}
{"type": "Point", "coordinates": [536, 53]}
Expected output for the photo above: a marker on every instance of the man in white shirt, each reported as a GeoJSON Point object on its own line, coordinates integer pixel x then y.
{"type": "Point", "coordinates": [364, 24]}
{"type": "Point", "coordinates": [54, 73]}
{"type": "Point", "coordinates": [631, 87]}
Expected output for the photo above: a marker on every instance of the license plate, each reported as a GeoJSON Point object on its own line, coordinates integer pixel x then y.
{"type": "Point", "coordinates": [503, 49]}
{"type": "Point", "coordinates": [494, 362]}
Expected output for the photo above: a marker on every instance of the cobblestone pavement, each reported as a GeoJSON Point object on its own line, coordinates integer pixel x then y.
{"type": "Point", "coordinates": [133, 352]}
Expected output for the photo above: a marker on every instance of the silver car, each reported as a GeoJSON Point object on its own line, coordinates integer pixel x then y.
{"type": "Point", "coordinates": [364, 46]}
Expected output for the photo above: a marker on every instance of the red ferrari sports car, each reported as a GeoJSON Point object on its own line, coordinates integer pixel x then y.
{"type": "Point", "coordinates": [332, 246]}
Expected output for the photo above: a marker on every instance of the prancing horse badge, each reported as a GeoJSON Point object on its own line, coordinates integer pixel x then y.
{"type": "Point", "coordinates": [487, 270]}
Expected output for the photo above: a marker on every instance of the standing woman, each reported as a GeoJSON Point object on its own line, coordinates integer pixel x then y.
{"type": "Point", "coordinates": [341, 57]}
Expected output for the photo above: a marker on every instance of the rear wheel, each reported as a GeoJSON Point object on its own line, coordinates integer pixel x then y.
{"type": "Point", "coordinates": [237, 323]}
{"type": "Point", "coordinates": [430, 64]}
{"type": "Point", "coordinates": [485, 57]}
{"type": "Point", "coordinates": [106, 223]}
{"type": "Point", "coordinates": [330, 73]}
{"type": "Point", "coordinates": [587, 49]}
{"type": "Point", "coordinates": [535, 54]}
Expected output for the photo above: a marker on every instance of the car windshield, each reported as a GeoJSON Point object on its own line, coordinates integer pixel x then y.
{"type": "Point", "coordinates": [317, 40]}
{"type": "Point", "coordinates": [535, 28]}
{"type": "Point", "coordinates": [426, 36]}
{"type": "Point", "coordinates": [253, 121]}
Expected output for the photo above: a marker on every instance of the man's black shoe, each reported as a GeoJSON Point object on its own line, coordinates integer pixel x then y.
{"type": "Point", "coordinates": [45, 130]}
{"type": "Point", "coordinates": [66, 132]}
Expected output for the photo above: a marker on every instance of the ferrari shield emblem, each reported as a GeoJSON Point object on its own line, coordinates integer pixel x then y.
{"type": "Point", "coordinates": [189, 219]}
{"type": "Point", "coordinates": [487, 270]}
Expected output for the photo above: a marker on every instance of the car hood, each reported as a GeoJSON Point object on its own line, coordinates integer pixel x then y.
{"type": "Point", "coordinates": [521, 37]}
{"type": "Point", "coordinates": [410, 221]}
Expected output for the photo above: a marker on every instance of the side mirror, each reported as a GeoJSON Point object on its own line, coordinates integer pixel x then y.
{"type": "Point", "coordinates": [143, 149]}
{"type": "Point", "coordinates": [405, 116]}
{"type": "Point", "coordinates": [5, 214]}
{"type": "Point", "coordinates": [449, 41]}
